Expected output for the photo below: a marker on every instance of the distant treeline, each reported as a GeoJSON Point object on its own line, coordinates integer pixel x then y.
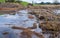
{"type": "Point", "coordinates": [48, 3]}
{"type": "Point", "coordinates": [35, 3]}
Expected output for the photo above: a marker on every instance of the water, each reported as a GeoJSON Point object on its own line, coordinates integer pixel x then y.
{"type": "Point", "coordinates": [20, 19]}
{"type": "Point", "coordinates": [57, 11]}
{"type": "Point", "coordinates": [17, 19]}
{"type": "Point", "coordinates": [10, 34]}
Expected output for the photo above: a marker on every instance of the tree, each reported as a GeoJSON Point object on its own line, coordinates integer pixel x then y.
{"type": "Point", "coordinates": [47, 3]}
{"type": "Point", "coordinates": [19, 1]}
{"type": "Point", "coordinates": [42, 3]}
{"type": "Point", "coordinates": [56, 2]}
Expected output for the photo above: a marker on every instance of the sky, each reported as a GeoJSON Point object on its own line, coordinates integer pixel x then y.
{"type": "Point", "coordinates": [38, 1]}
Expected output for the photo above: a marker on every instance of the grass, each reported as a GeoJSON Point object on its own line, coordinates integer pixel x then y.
{"type": "Point", "coordinates": [24, 3]}
{"type": "Point", "coordinates": [2, 0]}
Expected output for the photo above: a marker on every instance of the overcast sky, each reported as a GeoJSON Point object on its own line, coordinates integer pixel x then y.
{"type": "Point", "coordinates": [39, 1]}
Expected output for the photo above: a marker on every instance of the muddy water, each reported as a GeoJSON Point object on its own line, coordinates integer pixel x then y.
{"type": "Point", "coordinates": [20, 19]}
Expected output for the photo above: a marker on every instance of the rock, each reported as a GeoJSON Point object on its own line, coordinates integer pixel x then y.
{"type": "Point", "coordinates": [30, 16]}
{"type": "Point", "coordinates": [34, 26]}
{"type": "Point", "coordinates": [5, 33]}
{"type": "Point", "coordinates": [41, 17]}
{"type": "Point", "coordinates": [26, 34]}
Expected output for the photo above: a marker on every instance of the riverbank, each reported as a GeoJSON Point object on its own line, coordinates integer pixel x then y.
{"type": "Point", "coordinates": [32, 20]}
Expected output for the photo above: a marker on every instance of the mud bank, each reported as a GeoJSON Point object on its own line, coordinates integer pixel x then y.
{"type": "Point", "coordinates": [7, 8]}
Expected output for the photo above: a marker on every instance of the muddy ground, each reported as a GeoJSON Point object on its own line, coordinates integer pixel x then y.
{"type": "Point", "coordinates": [48, 21]}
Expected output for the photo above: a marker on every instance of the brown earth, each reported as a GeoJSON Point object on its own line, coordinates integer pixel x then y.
{"type": "Point", "coordinates": [27, 33]}
{"type": "Point", "coordinates": [48, 21]}
{"type": "Point", "coordinates": [45, 7]}
{"type": "Point", "coordinates": [50, 25]}
{"type": "Point", "coordinates": [10, 8]}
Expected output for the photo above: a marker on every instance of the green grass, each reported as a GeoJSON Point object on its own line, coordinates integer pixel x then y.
{"type": "Point", "coordinates": [24, 3]}
{"type": "Point", "coordinates": [2, 1]}
{"type": "Point", "coordinates": [36, 4]}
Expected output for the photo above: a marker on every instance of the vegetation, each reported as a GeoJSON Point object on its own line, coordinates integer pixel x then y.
{"type": "Point", "coordinates": [2, 0]}
{"type": "Point", "coordinates": [24, 3]}
{"type": "Point", "coordinates": [34, 4]}
{"type": "Point", "coordinates": [9, 0]}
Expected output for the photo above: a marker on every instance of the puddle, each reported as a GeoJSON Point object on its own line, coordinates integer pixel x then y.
{"type": "Point", "coordinates": [57, 11]}
{"type": "Point", "coordinates": [20, 19]}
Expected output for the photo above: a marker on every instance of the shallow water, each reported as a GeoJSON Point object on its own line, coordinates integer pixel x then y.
{"type": "Point", "coordinates": [17, 19]}
{"type": "Point", "coordinates": [20, 19]}
{"type": "Point", "coordinates": [57, 11]}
